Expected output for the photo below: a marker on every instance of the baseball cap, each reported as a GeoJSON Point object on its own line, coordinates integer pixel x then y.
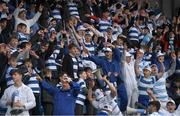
{"type": "Point", "coordinates": [171, 101]}
{"type": "Point", "coordinates": [160, 54]}
{"type": "Point", "coordinates": [22, 9]}
{"type": "Point", "coordinates": [121, 36]}
{"type": "Point", "coordinates": [147, 68]}
{"type": "Point", "coordinates": [99, 94]}
{"type": "Point", "coordinates": [127, 54]}
{"type": "Point", "coordinates": [81, 27]}
{"type": "Point", "coordinates": [107, 49]}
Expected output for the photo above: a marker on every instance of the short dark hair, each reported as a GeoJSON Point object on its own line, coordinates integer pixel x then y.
{"type": "Point", "coordinates": [72, 45]}
{"type": "Point", "coordinates": [156, 104]}
{"type": "Point", "coordinates": [16, 71]}
{"type": "Point", "coordinates": [87, 69]}
{"type": "Point", "coordinates": [21, 25]}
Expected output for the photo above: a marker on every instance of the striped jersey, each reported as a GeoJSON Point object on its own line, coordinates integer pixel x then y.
{"type": "Point", "coordinates": [22, 37]}
{"type": "Point", "coordinates": [33, 83]}
{"type": "Point", "coordinates": [145, 83]}
{"type": "Point", "coordinates": [103, 25]}
{"type": "Point", "coordinates": [133, 34]}
{"type": "Point", "coordinates": [90, 47]}
{"type": "Point", "coordinates": [51, 62]}
{"type": "Point", "coordinates": [9, 79]}
{"type": "Point", "coordinates": [56, 14]}
{"type": "Point", "coordinates": [72, 7]}
{"type": "Point", "coordinates": [159, 89]}
{"type": "Point", "coordinates": [98, 104]}
{"type": "Point", "coordinates": [82, 94]}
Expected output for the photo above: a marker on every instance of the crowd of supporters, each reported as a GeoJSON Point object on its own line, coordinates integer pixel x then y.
{"type": "Point", "coordinates": [88, 57]}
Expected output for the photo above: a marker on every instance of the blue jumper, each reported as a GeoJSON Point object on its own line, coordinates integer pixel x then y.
{"type": "Point", "coordinates": [63, 100]}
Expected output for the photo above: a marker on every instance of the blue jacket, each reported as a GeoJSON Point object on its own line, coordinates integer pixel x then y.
{"type": "Point", "coordinates": [110, 67]}
{"type": "Point", "coordinates": [63, 100]}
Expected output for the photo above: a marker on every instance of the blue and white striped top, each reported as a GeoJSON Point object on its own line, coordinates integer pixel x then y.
{"type": "Point", "coordinates": [73, 9]}
{"type": "Point", "coordinates": [22, 37]}
{"type": "Point", "coordinates": [9, 79]}
{"type": "Point", "coordinates": [56, 14]}
{"type": "Point", "coordinates": [51, 62]}
{"type": "Point", "coordinates": [145, 83]}
{"type": "Point", "coordinates": [90, 47]}
{"type": "Point", "coordinates": [103, 25]}
{"type": "Point", "coordinates": [34, 83]}
{"type": "Point", "coordinates": [82, 94]}
{"type": "Point", "coordinates": [133, 34]}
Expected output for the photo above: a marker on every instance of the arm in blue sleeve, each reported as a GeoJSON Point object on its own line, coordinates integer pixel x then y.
{"type": "Point", "coordinates": [76, 88]}
{"type": "Point", "coordinates": [98, 61]}
{"type": "Point", "coordinates": [117, 54]}
{"type": "Point", "coordinates": [51, 89]}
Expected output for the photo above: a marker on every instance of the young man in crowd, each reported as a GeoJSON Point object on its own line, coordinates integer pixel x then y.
{"type": "Point", "coordinates": [18, 98]}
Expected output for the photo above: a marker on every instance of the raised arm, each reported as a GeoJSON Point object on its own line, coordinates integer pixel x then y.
{"type": "Point", "coordinates": [111, 87]}
{"type": "Point", "coordinates": [36, 17]}
{"type": "Point", "coordinates": [51, 89]}
{"type": "Point", "coordinates": [173, 65]}
{"type": "Point", "coordinates": [136, 66]}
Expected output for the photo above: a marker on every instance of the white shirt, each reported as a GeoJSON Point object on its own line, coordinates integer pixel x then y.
{"type": "Point", "coordinates": [25, 96]}
{"type": "Point", "coordinates": [107, 99]}
{"type": "Point", "coordinates": [155, 114]}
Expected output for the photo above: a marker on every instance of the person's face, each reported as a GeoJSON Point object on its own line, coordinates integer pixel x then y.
{"type": "Point", "coordinates": [128, 59]}
{"type": "Point", "coordinates": [88, 38]}
{"type": "Point", "coordinates": [22, 15]}
{"type": "Point", "coordinates": [4, 7]}
{"type": "Point", "coordinates": [13, 62]}
{"type": "Point", "coordinates": [78, 53]}
{"type": "Point", "coordinates": [14, 43]}
{"type": "Point", "coordinates": [84, 75]}
{"type": "Point", "coordinates": [171, 107]}
{"type": "Point", "coordinates": [120, 42]}
{"type": "Point", "coordinates": [161, 58]}
{"type": "Point", "coordinates": [64, 81]}
{"type": "Point", "coordinates": [3, 24]}
{"type": "Point", "coordinates": [106, 14]}
{"type": "Point", "coordinates": [73, 51]}
{"type": "Point", "coordinates": [89, 73]}
{"type": "Point", "coordinates": [151, 109]}
{"type": "Point", "coordinates": [28, 65]}
{"type": "Point", "coordinates": [108, 55]}
{"type": "Point", "coordinates": [44, 47]}
{"type": "Point", "coordinates": [81, 33]}
{"type": "Point", "coordinates": [146, 31]}
{"type": "Point", "coordinates": [146, 73]}
{"type": "Point", "coordinates": [154, 69]}
{"type": "Point", "coordinates": [49, 75]}
{"type": "Point", "coordinates": [109, 31]}
{"type": "Point", "coordinates": [53, 23]}
{"type": "Point", "coordinates": [24, 29]}
{"type": "Point", "coordinates": [16, 77]}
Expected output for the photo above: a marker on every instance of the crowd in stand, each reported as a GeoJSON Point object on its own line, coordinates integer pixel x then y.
{"type": "Point", "coordinates": [88, 57]}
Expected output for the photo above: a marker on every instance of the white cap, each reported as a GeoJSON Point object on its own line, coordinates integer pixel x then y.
{"type": "Point", "coordinates": [147, 68]}
{"type": "Point", "coordinates": [160, 54]}
{"type": "Point", "coordinates": [107, 49]}
{"type": "Point", "coordinates": [52, 29]}
{"type": "Point", "coordinates": [22, 9]}
{"type": "Point", "coordinates": [127, 54]}
{"type": "Point", "coordinates": [99, 94]}
{"type": "Point", "coordinates": [81, 27]}
{"type": "Point", "coordinates": [171, 100]}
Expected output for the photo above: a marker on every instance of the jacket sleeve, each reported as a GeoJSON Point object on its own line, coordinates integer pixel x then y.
{"type": "Point", "coordinates": [98, 61]}
{"type": "Point", "coordinates": [76, 88]}
{"type": "Point", "coordinates": [31, 102]}
{"type": "Point", "coordinates": [51, 89]}
{"type": "Point", "coordinates": [117, 54]}
{"type": "Point", "coordinates": [34, 19]}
